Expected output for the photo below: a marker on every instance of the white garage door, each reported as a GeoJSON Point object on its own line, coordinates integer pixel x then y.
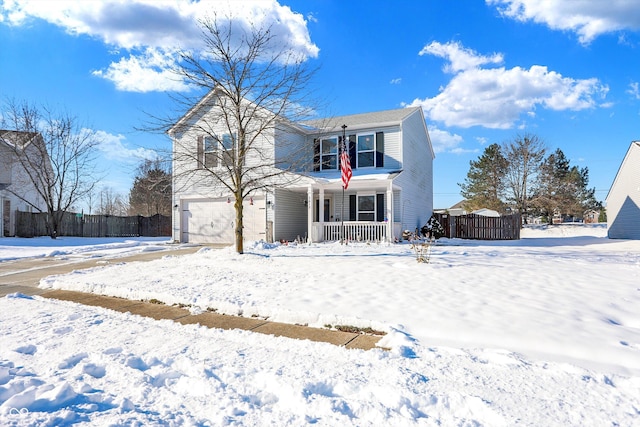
{"type": "Point", "coordinates": [213, 221]}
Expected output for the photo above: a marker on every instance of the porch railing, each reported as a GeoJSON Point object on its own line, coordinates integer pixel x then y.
{"type": "Point", "coordinates": [362, 231]}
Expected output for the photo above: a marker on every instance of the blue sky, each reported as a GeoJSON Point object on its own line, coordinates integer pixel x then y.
{"type": "Point", "coordinates": [484, 71]}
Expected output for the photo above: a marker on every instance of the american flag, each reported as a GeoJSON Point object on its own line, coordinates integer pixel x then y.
{"type": "Point", "coordinates": [345, 166]}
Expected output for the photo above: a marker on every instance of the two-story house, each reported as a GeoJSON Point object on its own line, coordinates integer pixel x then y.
{"type": "Point", "coordinates": [391, 188]}
{"type": "Point", "coordinates": [17, 191]}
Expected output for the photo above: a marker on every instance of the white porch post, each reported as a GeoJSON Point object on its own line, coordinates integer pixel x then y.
{"type": "Point", "coordinates": [390, 219]}
{"type": "Point", "coordinates": [321, 214]}
{"type": "Point", "coordinates": [310, 214]}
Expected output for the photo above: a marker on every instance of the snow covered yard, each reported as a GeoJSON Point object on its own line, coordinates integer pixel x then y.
{"type": "Point", "coordinates": [541, 331]}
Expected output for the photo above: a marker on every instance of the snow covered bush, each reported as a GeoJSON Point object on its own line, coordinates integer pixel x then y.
{"type": "Point", "coordinates": [432, 230]}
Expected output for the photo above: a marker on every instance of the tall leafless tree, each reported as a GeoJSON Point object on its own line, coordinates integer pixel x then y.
{"type": "Point", "coordinates": [60, 162]}
{"type": "Point", "coordinates": [111, 203]}
{"type": "Point", "coordinates": [256, 84]}
{"type": "Point", "coordinates": [524, 155]}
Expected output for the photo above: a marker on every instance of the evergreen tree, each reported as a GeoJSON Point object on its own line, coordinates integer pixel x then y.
{"type": "Point", "coordinates": [151, 191]}
{"type": "Point", "coordinates": [563, 189]}
{"type": "Point", "coordinates": [485, 182]}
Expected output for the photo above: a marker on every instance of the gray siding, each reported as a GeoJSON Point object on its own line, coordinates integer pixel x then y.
{"type": "Point", "coordinates": [623, 200]}
{"type": "Point", "coordinates": [290, 215]}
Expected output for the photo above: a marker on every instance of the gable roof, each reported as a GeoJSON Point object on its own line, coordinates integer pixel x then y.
{"type": "Point", "coordinates": [355, 121]}
{"type": "Point", "coordinates": [634, 145]}
{"type": "Point", "coordinates": [15, 138]}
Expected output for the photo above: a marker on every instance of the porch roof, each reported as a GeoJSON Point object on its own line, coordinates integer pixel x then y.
{"type": "Point", "coordinates": [333, 180]}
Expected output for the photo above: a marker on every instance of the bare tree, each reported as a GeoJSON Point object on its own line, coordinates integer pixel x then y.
{"type": "Point", "coordinates": [60, 162]}
{"type": "Point", "coordinates": [111, 203]}
{"type": "Point", "coordinates": [524, 155]}
{"type": "Point", "coordinates": [256, 85]}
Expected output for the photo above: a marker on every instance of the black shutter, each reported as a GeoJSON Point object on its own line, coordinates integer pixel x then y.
{"type": "Point", "coordinates": [317, 212]}
{"type": "Point", "coordinates": [380, 207]}
{"type": "Point", "coordinates": [339, 152]}
{"type": "Point", "coordinates": [200, 152]}
{"type": "Point", "coordinates": [316, 155]}
{"type": "Point", "coordinates": [352, 207]}
{"type": "Point", "coordinates": [352, 151]}
{"type": "Point", "coordinates": [379, 149]}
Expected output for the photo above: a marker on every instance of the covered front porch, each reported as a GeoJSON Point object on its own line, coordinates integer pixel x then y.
{"type": "Point", "coordinates": [364, 212]}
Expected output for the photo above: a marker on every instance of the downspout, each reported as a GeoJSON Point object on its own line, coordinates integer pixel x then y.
{"type": "Point", "coordinates": [310, 214]}
{"type": "Point", "coordinates": [390, 219]}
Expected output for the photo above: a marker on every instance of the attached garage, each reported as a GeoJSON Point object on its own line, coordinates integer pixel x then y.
{"type": "Point", "coordinates": [213, 220]}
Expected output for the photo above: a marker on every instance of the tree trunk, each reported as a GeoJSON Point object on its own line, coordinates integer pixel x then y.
{"type": "Point", "coordinates": [239, 224]}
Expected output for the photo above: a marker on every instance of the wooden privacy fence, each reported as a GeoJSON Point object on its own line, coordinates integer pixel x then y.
{"type": "Point", "coordinates": [29, 224]}
{"type": "Point", "coordinates": [506, 227]}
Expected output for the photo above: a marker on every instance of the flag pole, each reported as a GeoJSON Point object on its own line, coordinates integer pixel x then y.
{"type": "Point", "coordinates": [342, 240]}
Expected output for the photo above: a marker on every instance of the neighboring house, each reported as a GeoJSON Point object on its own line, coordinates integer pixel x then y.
{"type": "Point", "coordinates": [17, 191]}
{"type": "Point", "coordinates": [391, 188]}
{"type": "Point", "coordinates": [591, 216]}
{"type": "Point", "coordinates": [455, 210]}
{"type": "Point", "coordinates": [623, 200]}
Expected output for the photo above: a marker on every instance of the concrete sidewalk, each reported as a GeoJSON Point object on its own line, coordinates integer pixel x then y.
{"type": "Point", "coordinates": [24, 276]}
{"type": "Point", "coordinates": [214, 320]}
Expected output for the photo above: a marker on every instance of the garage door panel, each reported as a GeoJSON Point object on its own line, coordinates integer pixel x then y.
{"type": "Point", "coordinates": [207, 221]}
{"type": "Point", "coordinates": [213, 220]}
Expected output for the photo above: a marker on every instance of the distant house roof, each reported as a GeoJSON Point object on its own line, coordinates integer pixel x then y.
{"type": "Point", "coordinates": [374, 119]}
{"type": "Point", "coordinates": [459, 205]}
{"type": "Point", "coordinates": [486, 212]}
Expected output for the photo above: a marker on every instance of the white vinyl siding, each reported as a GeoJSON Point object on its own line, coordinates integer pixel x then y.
{"type": "Point", "coordinates": [416, 179]}
{"type": "Point", "coordinates": [623, 200]}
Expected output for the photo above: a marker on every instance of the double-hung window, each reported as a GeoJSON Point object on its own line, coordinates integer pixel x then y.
{"type": "Point", "coordinates": [366, 207]}
{"type": "Point", "coordinates": [227, 145]}
{"type": "Point", "coordinates": [210, 155]}
{"type": "Point", "coordinates": [366, 150]}
{"type": "Point", "coordinates": [329, 153]}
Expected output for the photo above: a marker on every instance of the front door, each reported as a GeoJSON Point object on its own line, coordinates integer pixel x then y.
{"type": "Point", "coordinates": [327, 211]}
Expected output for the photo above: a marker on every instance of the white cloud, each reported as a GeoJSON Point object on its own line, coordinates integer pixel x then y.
{"type": "Point", "coordinates": [396, 81]}
{"type": "Point", "coordinates": [497, 97]}
{"type": "Point", "coordinates": [113, 148]}
{"type": "Point", "coordinates": [587, 18]}
{"type": "Point", "coordinates": [142, 26]}
{"type": "Point", "coordinates": [634, 90]}
{"type": "Point", "coordinates": [459, 57]}
{"type": "Point", "coordinates": [146, 72]}
{"type": "Point", "coordinates": [443, 141]}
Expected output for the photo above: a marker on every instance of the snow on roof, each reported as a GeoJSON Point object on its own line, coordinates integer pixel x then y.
{"type": "Point", "coordinates": [486, 212]}
{"type": "Point", "coordinates": [376, 118]}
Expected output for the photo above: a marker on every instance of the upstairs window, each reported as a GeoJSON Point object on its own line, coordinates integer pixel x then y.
{"type": "Point", "coordinates": [226, 145]}
{"type": "Point", "coordinates": [366, 150]}
{"type": "Point", "coordinates": [210, 156]}
{"type": "Point", "coordinates": [329, 153]}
